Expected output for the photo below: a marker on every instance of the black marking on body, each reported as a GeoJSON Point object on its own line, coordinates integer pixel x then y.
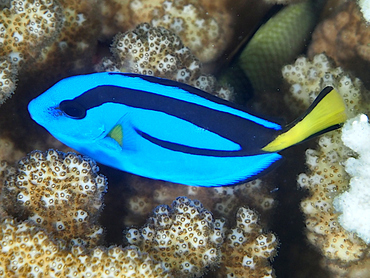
{"type": "Point", "coordinates": [249, 135]}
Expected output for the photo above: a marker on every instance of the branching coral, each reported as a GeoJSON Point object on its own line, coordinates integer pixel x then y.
{"type": "Point", "coordinates": [60, 192]}
{"type": "Point", "coordinates": [25, 27]}
{"type": "Point", "coordinates": [355, 201]}
{"type": "Point", "coordinates": [223, 201]}
{"type": "Point", "coordinates": [188, 241]}
{"type": "Point", "coordinates": [183, 237]}
{"type": "Point", "coordinates": [159, 52]}
{"type": "Point", "coordinates": [39, 35]}
{"type": "Point", "coordinates": [28, 251]}
{"type": "Point", "coordinates": [205, 35]}
{"type": "Point", "coordinates": [73, 48]}
{"type": "Point", "coordinates": [246, 250]}
{"type": "Point", "coordinates": [365, 9]}
{"type": "Point", "coordinates": [326, 180]}
{"type": "Point", "coordinates": [153, 51]}
{"type": "Point", "coordinates": [345, 37]}
{"type": "Point", "coordinates": [205, 32]}
{"type": "Point", "coordinates": [8, 78]}
{"type": "Point", "coordinates": [8, 152]}
{"type": "Point", "coordinates": [327, 177]}
{"type": "Point", "coordinates": [309, 77]}
{"type": "Point", "coordinates": [183, 240]}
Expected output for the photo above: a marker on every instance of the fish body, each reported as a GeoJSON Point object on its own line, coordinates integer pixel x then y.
{"type": "Point", "coordinates": [161, 129]}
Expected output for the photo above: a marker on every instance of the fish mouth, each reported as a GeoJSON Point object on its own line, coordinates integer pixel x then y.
{"type": "Point", "coordinates": [41, 114]}
{"type": "Point", "coordinates": [33, 109]}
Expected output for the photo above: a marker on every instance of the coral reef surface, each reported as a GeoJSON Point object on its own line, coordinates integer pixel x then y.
{"type": "Point", "coordinates": [205, 32]}
{"type": "Point", "coordinates": [365, 9]}
{"type": "Point", "coordinates": [223, 201]}
{"type": "Point", "coordinates": [38, 35]}
{"type": "Point", "coordinates": [246, 250]}
{"type": "Point", "coordinates": [25, 27]}
{"type": "Point", "coordinates": [183, 237]}
{"type": "Point", "coordinates": [28, 251]}
{"type": "Point", "coordinates": [157, 51]}
{"type": "Point", "coordinates": [49, 40]}
{"type": "Point", "coordinates": [355, 200]}
{"type": "Point", "coordinates": [60, 192]}
{"type": "Point", "coordinates": [345, 37]}
{"type": "Point", "coordinates": [327, 176]}
{"type": "Point", "coordinates": [189, 241]}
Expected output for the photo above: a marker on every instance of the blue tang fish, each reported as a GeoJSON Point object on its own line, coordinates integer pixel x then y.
{"type": "Point", "coordinates": [166, 130]}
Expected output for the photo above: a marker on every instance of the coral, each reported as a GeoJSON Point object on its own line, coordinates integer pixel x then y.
{"type": "Point", "coordinates": [355, 201]}
{"type": "Point", "coordinates": [205, 35]}
{"type": "Point", "coordinates": [8, 78]}
{"type": "Point", "coordinates": [326, 180]}
{"type": "Point", "coordinates": [39, 35]}
{"type": "Point", "coordinates": [345, 37]}
{"type": "Point", "coordinates": [327, 177]}
{"type": "Point", "coordinates": [28, 251]}
{"type": "Point", "coordinates": [60, 196]}
{"type": "Point", "coordinates": [23, 248]}
{"type": "Point", "coordinates": [205, 32]}
{"type": "Point", "coordinates": [346, 254]}
{"type": "Point", "coordinates": [182, 242]}
{"type": "Point", "coordinates": [223, 201]}
{"type": "Point", "coordinates": [60, 192]}
{"type": "Point", "coordinates": [254, 193]}
{"type": "Point", "coordinates": [184, 238]}
{"type": "Point", "coordinates": [73, 48]}
{"type": "Point", "coordinates": [153, 51]}
{"type": "Point", "coordinates": [159, 52]}
{"type": "Point", "coordinates": [276, 43]}
{"type": "Point", "coordinates": [8, 151]}
{"type": "Point", "coordinates": [246, 251]}
{"type": "Point", "coordinates": [187, 240]}
{"type": "Point", "coordinates": [309, 77]}
{"type": "Point", "coordinates": [365, 8]}
{"type": "Point", "coordinates": [26, 26]}
{"type": "Point", "coordinates": [5, 171]}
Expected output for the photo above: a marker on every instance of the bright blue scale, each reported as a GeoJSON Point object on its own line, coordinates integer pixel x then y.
{"type": "Point", "coordinates": [171, 131]}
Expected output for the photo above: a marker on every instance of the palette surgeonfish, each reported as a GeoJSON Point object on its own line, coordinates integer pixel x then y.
{"type": "Point", "coordinates": [166, 130]}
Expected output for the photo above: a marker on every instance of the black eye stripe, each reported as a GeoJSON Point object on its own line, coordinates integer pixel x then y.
{"type": "Point", "coordinates": [73, 109]}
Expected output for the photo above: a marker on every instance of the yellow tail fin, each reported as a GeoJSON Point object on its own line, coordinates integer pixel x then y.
{"type": "Point", "coordinates": [326, 113]}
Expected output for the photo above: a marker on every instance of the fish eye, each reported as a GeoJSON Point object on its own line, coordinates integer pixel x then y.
{"type": "Point", "coordinates": [73, 109]}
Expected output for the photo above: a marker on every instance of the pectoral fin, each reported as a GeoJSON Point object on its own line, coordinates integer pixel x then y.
{"type": "Point", "coordinates": [116, 133]}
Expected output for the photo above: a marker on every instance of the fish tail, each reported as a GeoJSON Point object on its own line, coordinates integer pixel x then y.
{"type": "Point", "coordinates": [326, 113]}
